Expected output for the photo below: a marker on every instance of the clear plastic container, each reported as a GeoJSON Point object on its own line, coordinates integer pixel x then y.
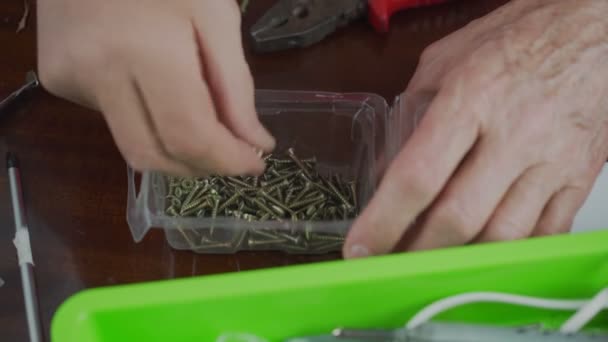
{"type": "Point", "coordinates": [353, 135]}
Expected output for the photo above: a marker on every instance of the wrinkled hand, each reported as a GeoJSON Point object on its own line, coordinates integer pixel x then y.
{"type": "Point", "coordinates": [169, 76]}
{"type": "Point", "coordinates": [513, 139]}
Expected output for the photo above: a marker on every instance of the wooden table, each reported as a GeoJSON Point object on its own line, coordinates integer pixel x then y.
{"type": "Point", "coordinates": [75, 179]}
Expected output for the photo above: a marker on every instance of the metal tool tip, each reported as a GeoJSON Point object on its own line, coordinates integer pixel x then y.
{"type": "Point", "coordinates": [11, 160]}
{"type": "Point", "coordinates": [32, 78]}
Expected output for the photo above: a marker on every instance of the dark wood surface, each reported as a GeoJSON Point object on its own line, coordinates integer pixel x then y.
{"type": "Point", "coordinates": [75, 179]}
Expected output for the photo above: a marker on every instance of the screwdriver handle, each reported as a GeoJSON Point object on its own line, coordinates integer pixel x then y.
{"type": "Point", "coordinates": [380, 11]}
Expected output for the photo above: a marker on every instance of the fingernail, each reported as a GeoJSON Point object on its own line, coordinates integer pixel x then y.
{"type": "Point", "coordinates": [357, 251]}
{"type": "Point", "coordinates": [258, 152]}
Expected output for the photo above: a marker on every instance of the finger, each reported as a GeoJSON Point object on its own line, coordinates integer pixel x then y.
{"type": "Point", "coordinates": [558, 215]}
{"type": "Point", "coordinates": [430, 71]}
{"type": "Point", "coordinates": [471, 197]}
{"type": "Point", "coordinates": [227, 72]}
{"type": "Point", "coordinates": [519, 211]}
{"type": "Point", "coordinates": [132, 131]}
{"type": "Point", "coordinates": [416, 176]}
{"type": "Point", "coordinates": [184, 116]}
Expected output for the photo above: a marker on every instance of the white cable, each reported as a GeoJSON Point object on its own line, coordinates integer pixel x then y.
{"type": "Point", "coordinates": [586, 313]}
{"type": "Point", "coordinates": [442, 305]}
{"type": "Point", "coordinates": [239, 337]}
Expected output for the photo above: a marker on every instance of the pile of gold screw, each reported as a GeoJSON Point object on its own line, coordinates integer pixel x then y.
{"type": "Point", "coordinates": [289, 189]}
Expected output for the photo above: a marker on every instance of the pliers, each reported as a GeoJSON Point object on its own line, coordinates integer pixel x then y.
{"type": "Point", "coordinates": [300, 23]}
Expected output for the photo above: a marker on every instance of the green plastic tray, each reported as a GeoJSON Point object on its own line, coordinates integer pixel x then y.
{"type": "Point", "coordinates": [310, 299]}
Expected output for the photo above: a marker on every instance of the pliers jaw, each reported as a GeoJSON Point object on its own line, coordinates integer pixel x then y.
{"type": "Point", "coordinates": [300, 23]}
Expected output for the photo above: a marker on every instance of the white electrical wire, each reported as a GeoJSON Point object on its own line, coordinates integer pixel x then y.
{"type": "Point", "coordinates": [586, 313]}
{"type": "Point", "coordinates": [239, 337]}
{"type": "Point", "coordinates": [588, 308]}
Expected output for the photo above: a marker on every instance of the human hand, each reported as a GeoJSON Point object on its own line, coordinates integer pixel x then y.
{"type": "Point", "coordinates": [513, 139]}
{"type": "Point", "coordinates": [169, 76]}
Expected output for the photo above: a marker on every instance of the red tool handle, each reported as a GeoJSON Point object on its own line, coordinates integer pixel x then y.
{"type": "Point", "coordinates": [380, 11]}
